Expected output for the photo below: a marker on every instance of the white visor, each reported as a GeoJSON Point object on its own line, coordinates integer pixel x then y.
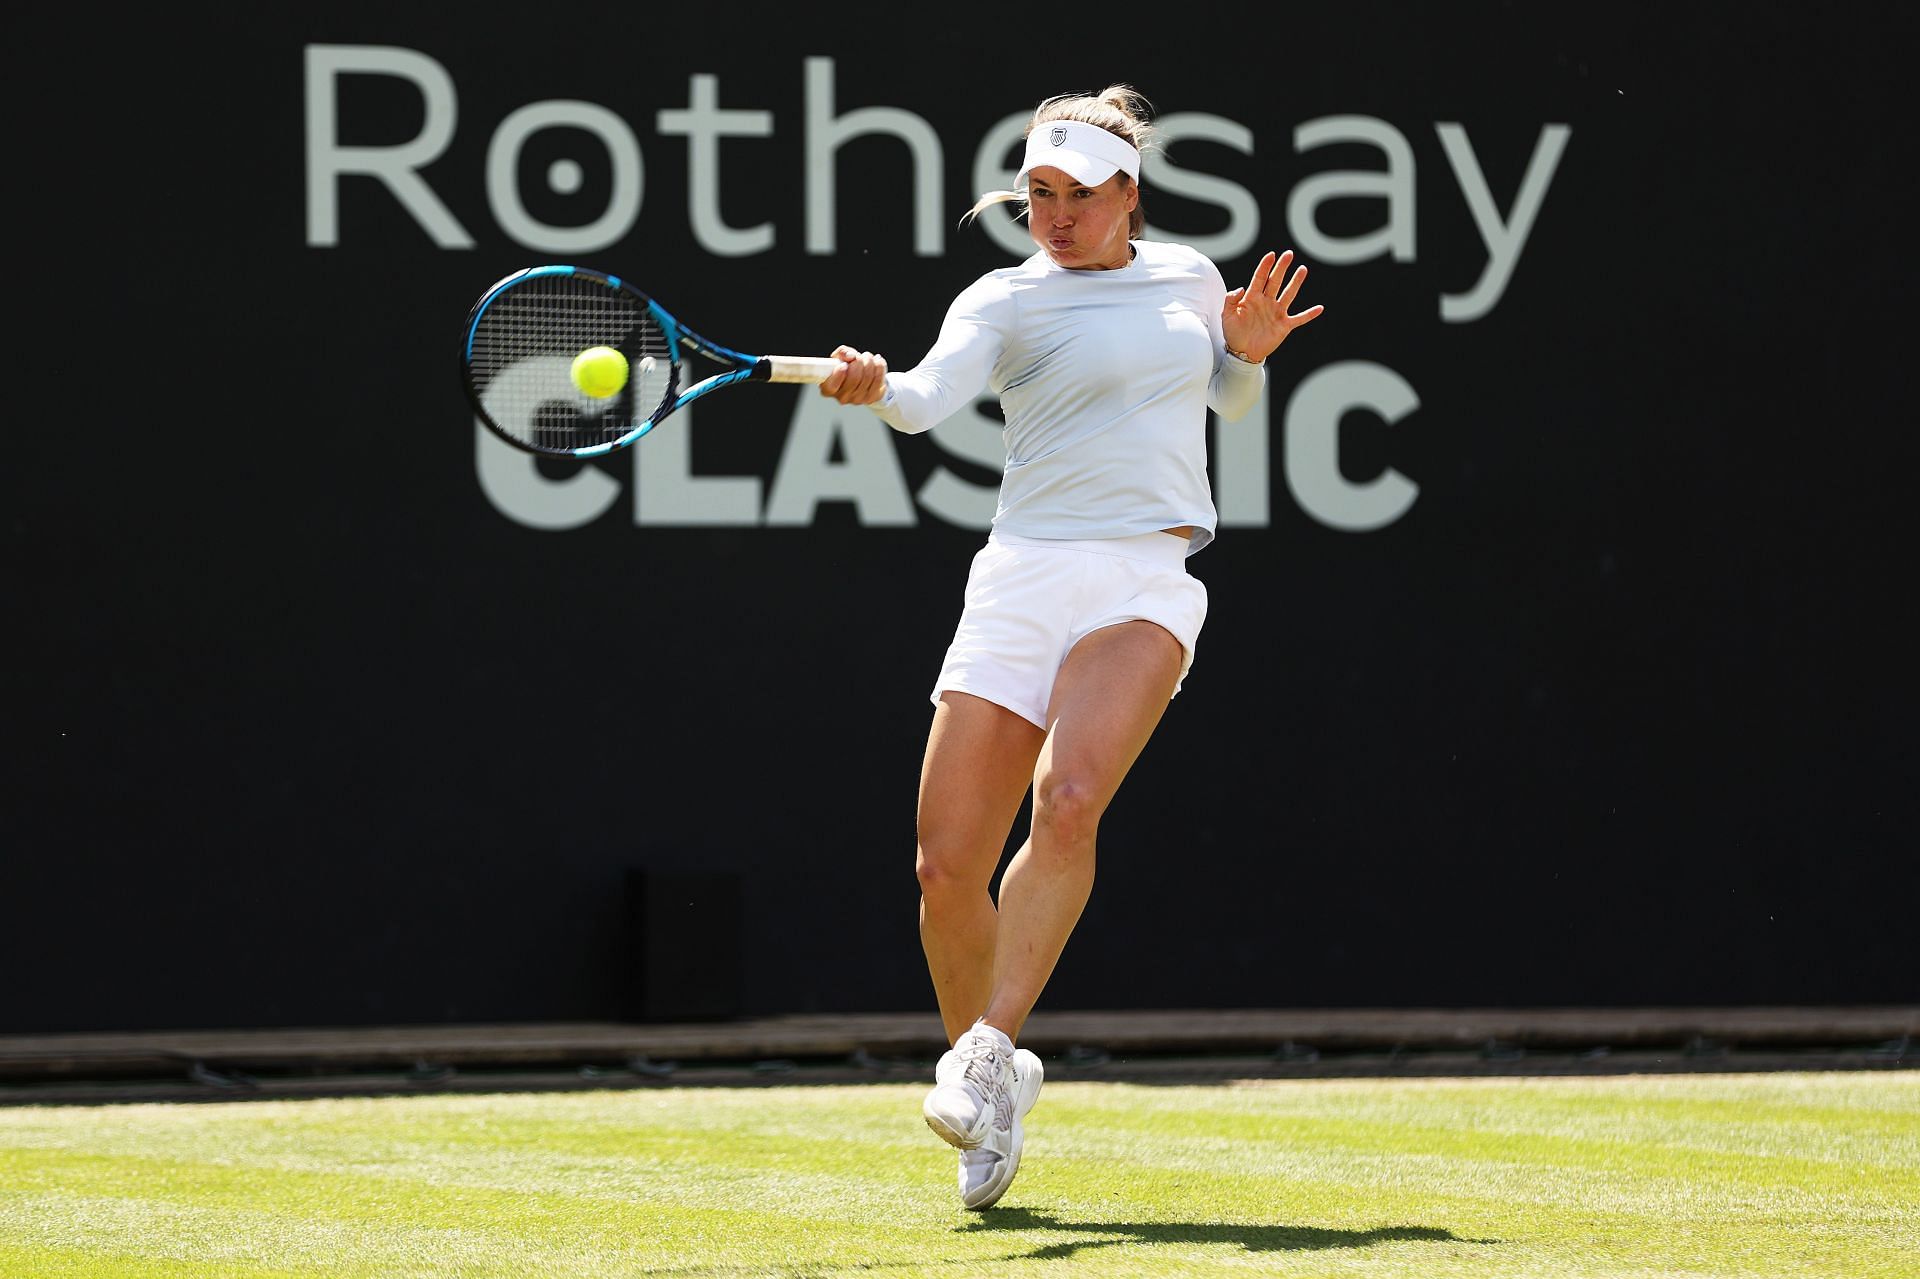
{"type": "Point", "coordinates": [1087, 153]}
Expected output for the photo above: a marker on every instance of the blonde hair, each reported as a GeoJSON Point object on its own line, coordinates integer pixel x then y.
{"type": "Point", "coordinates": [1120, 109]}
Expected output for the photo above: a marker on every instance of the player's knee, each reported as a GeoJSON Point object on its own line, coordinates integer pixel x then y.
{"type": "Point", "coordinates": [945, 878]}
{"type": "Point", "coordinates": [1067, 808]}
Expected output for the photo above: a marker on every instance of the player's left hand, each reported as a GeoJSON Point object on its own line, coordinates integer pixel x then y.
{"type": "Point", "coordinates": [1255, 320]}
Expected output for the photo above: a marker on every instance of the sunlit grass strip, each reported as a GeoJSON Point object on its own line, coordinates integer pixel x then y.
{"type": "Point", "coordinates": [1761, 1175]}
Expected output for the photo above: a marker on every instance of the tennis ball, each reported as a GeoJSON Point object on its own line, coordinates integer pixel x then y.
{"type": "Point", "coordinates": [600, 371]}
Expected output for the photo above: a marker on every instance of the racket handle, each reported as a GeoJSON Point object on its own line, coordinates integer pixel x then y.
{"type": "Point", "coordinates": [799, 368]}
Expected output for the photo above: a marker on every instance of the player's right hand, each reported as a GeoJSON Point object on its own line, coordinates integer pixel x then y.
{"type": "Point", "coordinates": [860, 379]}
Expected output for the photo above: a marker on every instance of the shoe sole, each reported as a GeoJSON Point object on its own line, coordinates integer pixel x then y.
{"type": "Point", "coordinates": [956, 1137]}
{"type": "Point", "coordinates": [1029, 1094]}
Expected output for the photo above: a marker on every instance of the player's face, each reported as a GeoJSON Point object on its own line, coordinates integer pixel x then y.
{"type": "Point", "coordinates": [1081, 228]}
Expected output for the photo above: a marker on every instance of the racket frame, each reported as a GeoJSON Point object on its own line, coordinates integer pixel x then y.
{"type": "Point", "coordinates": [743, 366]}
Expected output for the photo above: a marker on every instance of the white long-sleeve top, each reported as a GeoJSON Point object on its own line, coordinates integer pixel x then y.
{"type": "Point", "coordinates": [1105, 379]}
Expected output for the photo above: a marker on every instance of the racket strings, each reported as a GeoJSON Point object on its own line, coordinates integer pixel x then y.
{"type": "Point", "coordinates": [521, 362]}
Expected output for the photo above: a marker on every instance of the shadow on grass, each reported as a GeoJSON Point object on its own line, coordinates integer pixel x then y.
{"type": "Point", "coordinates": [1253, 1238]}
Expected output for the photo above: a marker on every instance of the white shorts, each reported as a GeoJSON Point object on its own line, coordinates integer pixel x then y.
{"type": "Point", "coordinates": [1030, 600]}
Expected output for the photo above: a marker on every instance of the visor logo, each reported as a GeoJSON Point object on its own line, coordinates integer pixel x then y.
{"type": "Point", "coordinates": [1058, 137]}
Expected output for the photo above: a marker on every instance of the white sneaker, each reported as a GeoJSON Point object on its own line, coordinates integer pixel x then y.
{"type": "Point", "coordinates": [965, 1082]}
{"type": "Point", "coordinates": [987, 1170]}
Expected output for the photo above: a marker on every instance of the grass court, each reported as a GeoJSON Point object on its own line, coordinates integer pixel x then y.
{"type": "Point", "coordinates": [1788, 1174]}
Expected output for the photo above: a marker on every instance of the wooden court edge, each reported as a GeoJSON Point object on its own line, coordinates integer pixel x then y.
{"type": "Point", "coordinates": [1087, 1036]}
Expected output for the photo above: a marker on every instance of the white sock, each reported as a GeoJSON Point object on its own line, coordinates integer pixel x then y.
{"type": "Point", "coordinates": [995, 1033]}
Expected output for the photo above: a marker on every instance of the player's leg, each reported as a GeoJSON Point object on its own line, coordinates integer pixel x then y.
{"type": "Point", "coordinates": [979, 762]}
{"type": "Point", "coordinates": [978, 765]}
{"type": "Point", "coordinates": [1111, 693]}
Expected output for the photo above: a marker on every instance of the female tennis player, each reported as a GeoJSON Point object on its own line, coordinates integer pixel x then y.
{"type": "Point", "coordinates": [1080, 619]}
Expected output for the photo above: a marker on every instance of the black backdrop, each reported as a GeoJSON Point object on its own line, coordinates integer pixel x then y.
{"type": "Point", "coordinates": [310, 730]}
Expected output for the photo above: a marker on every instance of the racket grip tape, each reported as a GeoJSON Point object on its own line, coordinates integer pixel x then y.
{"type": "Point", "coordinates": [798, 368]}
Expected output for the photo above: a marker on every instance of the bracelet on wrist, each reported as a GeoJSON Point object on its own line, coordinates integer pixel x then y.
{"type": "Point", "coordinates": [1244, 359]}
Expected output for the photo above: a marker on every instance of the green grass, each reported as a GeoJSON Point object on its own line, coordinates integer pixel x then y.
{"type": "Point", "coordinates": [1767, 1175]}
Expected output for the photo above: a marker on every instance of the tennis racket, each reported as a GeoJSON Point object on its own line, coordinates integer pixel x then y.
{"type": "Point", "coordinates": [568, 361]}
